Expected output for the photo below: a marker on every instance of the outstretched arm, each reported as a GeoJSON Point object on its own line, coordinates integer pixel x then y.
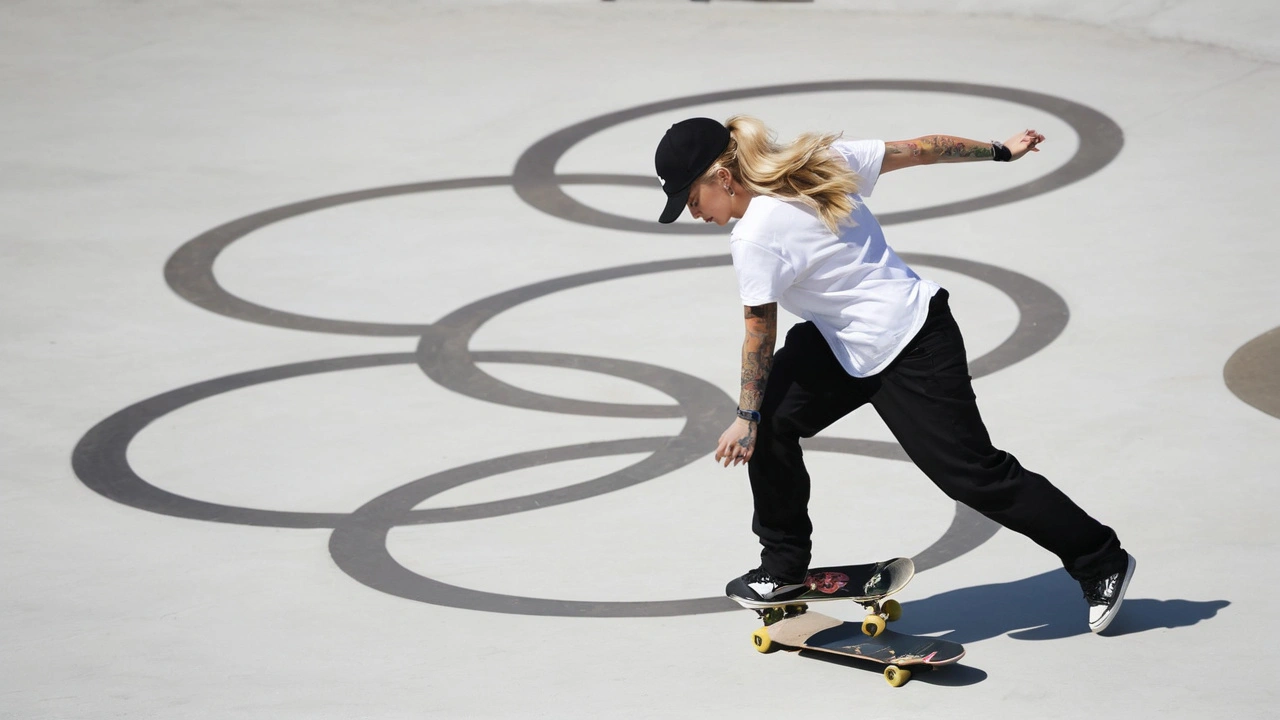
{"type": "Point", "coordinates": [931, 149]}
{"type": "Point", "coordinates": [738, 442]}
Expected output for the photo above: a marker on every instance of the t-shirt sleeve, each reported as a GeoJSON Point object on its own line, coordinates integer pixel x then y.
{"type": "Point", "coordinates": [865, 158]}
{"type": "Point", "coordinates": [762, 275]}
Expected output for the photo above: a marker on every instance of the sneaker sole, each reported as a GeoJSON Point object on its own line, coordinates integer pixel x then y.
{"type": "Point", "coordinates": [764, 604]}
{"type": "Point", "coordinates": [1106, 619]}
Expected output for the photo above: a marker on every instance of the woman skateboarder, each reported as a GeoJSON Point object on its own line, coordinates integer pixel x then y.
{"type": "Point", "coordinates": [874, 332]}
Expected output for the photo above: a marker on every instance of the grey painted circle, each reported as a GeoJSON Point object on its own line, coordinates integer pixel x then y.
{"type": "Point", "coordinates": [444, 356]}
{"type": "Point", "coordinates": [100, 459]}
{"type": "Point", "coordinates": [534, 178]}
{"type": "Point", "coordinates": [358, 543]}
{"type": "Point", "coordinates": [189, 271]}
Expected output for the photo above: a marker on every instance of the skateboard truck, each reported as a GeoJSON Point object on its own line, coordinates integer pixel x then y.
{"type": "Point", "coordinates": [772, 615]}
{"type": "Point", "coordinates": [878, 614]}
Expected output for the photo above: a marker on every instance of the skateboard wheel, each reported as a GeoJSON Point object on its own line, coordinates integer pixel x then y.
{"type": "Point", "coordinates": [773, 615]}
{"type": "Point", "coordinates": [873, 625]}
{"type": "Point", "coordinates": [896, 676]}
{"type": "Point", "coordinates": [892, 610]}
{"type": "Point", "coordinates": [760, 638]}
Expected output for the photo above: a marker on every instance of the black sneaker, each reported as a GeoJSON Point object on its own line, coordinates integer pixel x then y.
{"type": "Point", "coordinates": [758, 589]}
{"type": "Point", "coordinates": [1105, 596]}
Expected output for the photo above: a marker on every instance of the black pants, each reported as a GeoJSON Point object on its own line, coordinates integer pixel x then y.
{"type": "Point", "coordinates": [926, 399]}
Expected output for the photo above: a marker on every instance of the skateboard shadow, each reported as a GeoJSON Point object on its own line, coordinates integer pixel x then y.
{"type": "Point", "coordinates": [1042, 607]}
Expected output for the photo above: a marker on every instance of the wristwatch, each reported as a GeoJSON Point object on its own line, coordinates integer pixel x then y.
{"type": "Point", "coordinates": [751, 415]}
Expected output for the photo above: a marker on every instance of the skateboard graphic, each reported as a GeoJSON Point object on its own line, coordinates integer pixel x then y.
{"type": "Point", "coordinates": [789, 624]}
{"type": "Point", "coordinates": [865, 584]}
{"type": "Point", "coordinates": [898, 652]}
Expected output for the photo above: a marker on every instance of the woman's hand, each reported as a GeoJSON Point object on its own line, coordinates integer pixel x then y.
{"type": "Point", "coordinates": [1023, 143]}
{"type": "Point", "coordinates": [737, 443]}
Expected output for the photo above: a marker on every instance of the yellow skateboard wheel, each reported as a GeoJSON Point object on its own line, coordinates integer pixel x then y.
{"type": "Point", "coordinates": [896, 676]}
{"type": "Point", "coordinates": [892, 610]}
{"type": "Point", "coordinates": [873, 625]}
{"type": "Point", "coordinates": [760, 638]}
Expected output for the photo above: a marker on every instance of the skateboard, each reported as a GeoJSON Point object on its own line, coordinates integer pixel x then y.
{"type": "Point", "coordinates": [899, 652]}
{"type": "Point", "coordinates": [865, 584]}
{"type": "Point", "coordinates": [789, 624]}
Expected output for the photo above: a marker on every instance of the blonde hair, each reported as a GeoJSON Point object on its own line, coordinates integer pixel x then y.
{"type": "Point", "coordinates": [806, 170]}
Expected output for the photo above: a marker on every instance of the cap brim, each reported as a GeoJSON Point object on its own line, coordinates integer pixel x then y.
{"type": "Point", "coordinates": [675, 206]}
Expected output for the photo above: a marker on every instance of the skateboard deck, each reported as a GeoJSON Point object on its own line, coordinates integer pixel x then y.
{"type": "Point", "coordinates": [860, 583]}
{"type": "Point", "coordinates": [899, 652]}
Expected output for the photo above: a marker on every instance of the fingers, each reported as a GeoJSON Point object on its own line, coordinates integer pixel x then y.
{"type": "Point", "coordinates": [725, 453]}
{"type": "Point", "coordinates": [1025, 143]}
{"type": "Point", "coordinates": [734, 447]}
{"type": "Point", "coordinates": [729, 452]}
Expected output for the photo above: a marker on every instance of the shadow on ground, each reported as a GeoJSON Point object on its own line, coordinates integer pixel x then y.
{"type": "Point", "coordinates": [1043, 607]}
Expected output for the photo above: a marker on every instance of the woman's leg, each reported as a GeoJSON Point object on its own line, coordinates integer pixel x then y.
{"type": "Point", "coordinates": [807, 390]}
{"type": "Point", "coordinates": [926, 399]}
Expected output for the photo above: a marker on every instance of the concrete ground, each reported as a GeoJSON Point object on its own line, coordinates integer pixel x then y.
{"type": "Point", "coordinates": [347, 375]}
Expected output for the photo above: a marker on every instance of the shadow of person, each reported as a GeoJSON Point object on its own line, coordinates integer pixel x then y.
{"type": "Point", "coordinates": [1042, 607]}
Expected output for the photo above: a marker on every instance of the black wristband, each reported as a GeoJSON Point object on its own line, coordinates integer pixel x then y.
{"type": "Point", "coordinates": [999, 152]}
{"type": "Point", "coordinates": [751, 415]}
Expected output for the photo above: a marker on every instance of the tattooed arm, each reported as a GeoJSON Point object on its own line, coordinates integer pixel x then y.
{"type": "Point", "coordinates": [738, 443]}
{"type": "Point", "coordinates": [931, 149]}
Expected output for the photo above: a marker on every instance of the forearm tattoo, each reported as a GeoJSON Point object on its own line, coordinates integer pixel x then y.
{"type": "Point", "coordinates": [940, 148]}
{"type": "Point", "coordinates": [757, 354]}
{"type": "Point", "coordinates": [946, 147]}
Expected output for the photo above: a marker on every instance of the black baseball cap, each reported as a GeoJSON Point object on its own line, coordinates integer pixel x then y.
{"type": "Point", "coordinates": [684, 153]}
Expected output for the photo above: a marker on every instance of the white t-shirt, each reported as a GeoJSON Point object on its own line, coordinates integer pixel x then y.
{"type": "Point", "coordinates": [863, 298]}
